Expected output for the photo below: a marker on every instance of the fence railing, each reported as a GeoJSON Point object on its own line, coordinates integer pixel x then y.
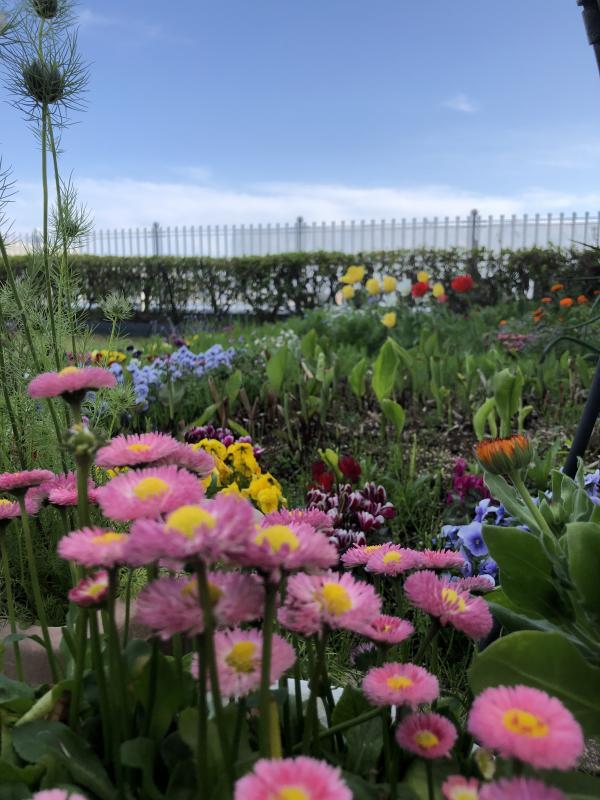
{"type": "Point", "coordinates": [494, 233]}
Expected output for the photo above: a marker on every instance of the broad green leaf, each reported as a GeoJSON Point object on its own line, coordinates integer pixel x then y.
{"type": "Point", "coordinates": [577, 785]}
{"type": "Point", "coordinates": [502, 491]}
{"type": "Point", "coordinates": [30, 774]}
{"type": "Point", "coordinates": [208, 413]}
{"type": "Point", "coordinates": [364, 741]}
{"type": "Point", "coordinates": [308, 344]}
{"type": "Point", "coordinates": [167, 700]}
{"type": "Point", "coordinates": [584, 562]}
{"type": "Point", "coordinates": [481, 415]}
{"type": "Point", "coordinates": [15, 696]}
{"type": "Point", "coordinates": [14, 791]}
{"type": "Point", "coordinates": [546, 661]}
{"type": "Point", "coordinates": [276, 368]}
{"type": "Point", "coordinates": [525, 571]}
{"type": "Point", "coordinates": [394, 413]}
{"type": "Point", "coordinates": [239, 429]}
{"type": "Point", "coordinates": [384, 371]}
{"type": "Point", "coordinates": [42, 707]}
{"type": "Point", "coordinates": [233, 384]}
{"type": "Point", "coordinates": [356, 378]}
{"type": "Point", "coordinates": [140, 754]}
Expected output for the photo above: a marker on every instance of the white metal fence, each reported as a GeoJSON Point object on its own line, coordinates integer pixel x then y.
{"type": "Point", "coordinates": [494, 233]}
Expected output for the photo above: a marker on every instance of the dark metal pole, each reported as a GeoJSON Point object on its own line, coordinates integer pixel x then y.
{"type": "Point", "coordinates": [590, 11]}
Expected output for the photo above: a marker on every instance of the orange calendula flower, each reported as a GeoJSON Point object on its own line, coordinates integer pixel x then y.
{"type": "Point", "coordinates": [546, 300]}
{"type": "Point", "coordinates": [503, 322]}
{"type": "Point", "coordinates": [582, 299]}
{"type": "Point", "coordinates": [557, 287]}
{"type": "Point", "coordinates": [566, 302]}
{"type": "Point", "coordinates": [503, 456]}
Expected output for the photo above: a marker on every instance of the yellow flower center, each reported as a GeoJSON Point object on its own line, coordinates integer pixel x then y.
{"type": "Point", "coordinates": [94, 589]}
{"type": "Point", "coordinates": [392, 557]}
{"type": "Point", "coordinates": [187, 519]}
{"type": "Point", "coordinates": [241, 657]}
{"type": "Point", "coordinates": [453, 600]}
{"type": "Point", "coordinates": [426, 739]}
{"type": "Point", "coordinates": [336, 599]}
{"type": "Point", "coordinates": [68, 371]}
{"type": "Point", "coordinates": [151, 487]}
{"type": "Point", "coordinates": [292, 793]}
{"type": "Point", "coordinates": [524, 724]}
{"type": "Point", "coordinates": [214, 592]}
{"type": "Point", "coordinates": [398, 682]}
{"type": "Point", "coordinates": [277, 536]}
{"type": "Point", "coordinates": [5, 502]}
{"type": "Point", "coordinates": [108, 538]}
{"type": "Point", "coordinates": [139, 448]}
{"type": "Point", "coordinates": [465, 794]}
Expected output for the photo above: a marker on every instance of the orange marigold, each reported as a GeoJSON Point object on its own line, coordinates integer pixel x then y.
{"type": "Point", "coordinates": [557, 287]}
{"type": "Point", "coordinates": [504, 456]}
{"type": "Point", "coordinates": [503, 322]}
{"type": "Point", "coordinates": [546, 299]}
{"type": "Point", "coordinates": [566, 302]}
{"type": "Point", "coordinates": [581, 299]}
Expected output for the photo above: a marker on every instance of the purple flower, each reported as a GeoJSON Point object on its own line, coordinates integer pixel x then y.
{"type": "Point", "coordinates": [488, 567]}
{"type": "Point", "coordinates": [472, 538]}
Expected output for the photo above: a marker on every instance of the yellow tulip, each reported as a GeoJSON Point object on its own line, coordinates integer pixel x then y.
{"type": "Point", "coordinates": [423, 277]}
{"type": "Point", "coordinates": [353, 275]}
{"type": "Point", "coordinates": [348, 292]}
{"type": "Point", "coordinates": [389, 319]}
{"type": "Point", "coordinates": [373, 286]}
{"type": "Point", "coordinates": [389, 284]}
{"type": "Point", "coordinates": [438, 290]}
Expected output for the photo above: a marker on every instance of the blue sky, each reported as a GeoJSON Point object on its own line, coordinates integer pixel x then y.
{"type": "Point", "coordinates": [237, 111]}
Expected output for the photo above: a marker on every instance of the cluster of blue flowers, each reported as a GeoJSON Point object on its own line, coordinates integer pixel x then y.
{"type": "Point", "coordinates": [147, 379]}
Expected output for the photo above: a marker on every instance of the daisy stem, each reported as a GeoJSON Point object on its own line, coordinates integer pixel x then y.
{"type": "Point", "coordinates": [82, 624]}
{"type": "Point", "coordinates": [37, 595]}
{"type": "Point", "coordinates": [83, 462]}
{"type": "Point", "coordinates": [206, 606]}
{"type": "Point", "coordinates": [387, 754]}
{"type": "Point", "coordinates": [202, 730]}
{"type": "Point", "coordinates": [10, 603]}
{"type": "Point", "coordinates": [98, 665]}
{"type": "Point", "coordinates": [178, 655]}
{"type": "Point", "coordinates": [430, 786]}
{"type": "Point", "coordinates": [311, 726]}
{"type": "Point", "coordinates": [117, 676]}
{"type": "Point", "coordinates": [127, 607]}
{"type": "Point", "coordinates": [237, 735]}
{"type": "Point", "coordinates": [432, 632]}
{"type": "Point", "coordinates": [298, 700]}
{"type": "Point", "coordinates": [344, 726]}
{"type": "Point", "coordinates": [265, 677]}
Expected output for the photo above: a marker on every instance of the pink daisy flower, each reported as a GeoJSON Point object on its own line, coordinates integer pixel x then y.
{"type": "Point", "coordinates": [62, 490]}
{"type": "Point", "coordinates": [458, 788]}
{"type": "Point", "coordinates": [216, 529]}
{"type": "Point", "coordinates": [519, 789]}
{"type": "Point", "coordinates": [399, 685]}
{"type": "Point", "coordinates": [9, 509]}
{"type": "Point", "coordinates": [299, 778]}
{"type": "Point", "coordinates": [239, 660]}
{"type": "Point", "coordinates": [332, 600]}
{"type": "Point", "coordinates": [477, 584]}
{"type": "Point", "coordinates": [138, 449]}
{"type": "Point", "coordinates": [148, 492]}
{"type": "Point", "coordinates": [426, 735]}
{"type": "Point", "coordinates": [90, 591]}
{"type": "Point", "coordinates": [528, 724]}
{"type": "Point", "coordinates": [71, 381]}
{"type": "Point", "coordinates": [388, 630]}
{"type": "Point", "coordinates": [57, 794]}
{"type": "Point", "coordinates": [195, 460]}
{"type": "Point", "coordinates": [441, 598]}
{"type": "Point", "coordinates": [391, 559]}
{"type": "Point", "coordinates": [93, 547]}
{"type": "Point", "coordinates": [319, 520]}
{"type": "Point", "coordinates": [36, 497]}
{"type": "Point", "coordinates": [19, 482]}
{"type": "Point", "coordinates": [358, 555]}
{"type": "Point", "coordinates": [441, 559]}
{"type": "Point", "coordinates": [288, 547]}
{"type": "Point", "coordinates": [171, 605]}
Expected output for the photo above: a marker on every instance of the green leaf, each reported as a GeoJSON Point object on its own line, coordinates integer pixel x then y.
{"type": "Point", "coordinates": [394, 413]}
{"type": "Point", "coordinates": [584, 562]}
{"type": "Point", "coordinates": [168, 699]}
{"type": "Point", "coordinates": [546, 661]}
{"type": "Point", "coordinates": [364, 741]}
{"type": "Point", "coordinates": [481, 415]}
{"type": "Point", "coordinates": [384, 371]}
{"type": "Point", "coordinates": [209, 412]}
{"type": "Point", "coordinates": [237, 428]}
{"type": "Point", "coordinates": [502, 491]}
{"type": "Point", "coordinates": [140, 754]}
{"type": "Point", "coordinates": [15, 791]}
{"type": "Point", "coordinates": [42, 707]}
{"type": "Point", "coordinates": [15, 696]}
{"type": "Point", "coordinates": [29, 775]}
{"type": "Point", "coordinates": [356, 378]}
{"type": "Point", "coordinates": [577, 785]}
{"type": "Point", "coordinates": [525, 571]}
{"type": "Point", "coordinates": [308, 344]}
{"type": "Point", "coordinates": [233, 384]}
{"type": "Point", "coordinates": [276, 369]}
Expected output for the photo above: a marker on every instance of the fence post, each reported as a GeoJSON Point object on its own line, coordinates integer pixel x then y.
{"type": "Point", "coordinates": [155, 239]}
{"type": "Point", "coordinates": [473, 229]}
{"type": "Point", "coordinates": [299, 224]}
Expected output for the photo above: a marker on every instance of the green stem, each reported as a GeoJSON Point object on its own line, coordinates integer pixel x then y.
{"type": "Point", "coordinates": [82, 620]}
{"type": "Point", "coordinates": [202, 730]}
{"type": "Point", "coordinates": [311, 727]}
{"type": "Point", "coordinates": [83, 462]}
{"type": "Point", "coordinates": [128, 609]}
{"type": "Point", "coordinates": [432, 632]}
{"type": "Point", "coordinates": [152, 688]}
{"type": "Point", "coordinates": [519, 485]}
{"type": "Point", "coordinates": [45, 242]}
{"type": "Point", "coordinates": [430, 785]}
{"type": "Point", "coordinates": [237, 736]}
{"type": "Point", "coordinates": [10, 604]}
{"type": "Point", "coordinates": [387, 753]}
{"type": "Point", "coordinates": [39, 603]}
{"type": "Point", "coordinates": [117, 675]}
{"type": "Point", "coordinates": [97, 662]}
{"type": "Point", "coordinates": [265, 678]}
{"type": "Point", "coordinates": [344, 726]}
{"type": "Point", "coordinates": [298, 701]}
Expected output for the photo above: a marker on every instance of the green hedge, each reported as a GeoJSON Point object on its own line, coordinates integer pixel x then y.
{"type": "Point", "coordinates": [295, 282]}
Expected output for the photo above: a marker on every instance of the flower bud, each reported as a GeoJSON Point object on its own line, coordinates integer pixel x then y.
{"type": "Point", "coordinates": [504, 456]}
{"type": "Point", "coordinates": [44, 82]}
{"type": "Point", "coordinates": [82, 442]}
{"type": "Point", "coordinates": [46, 9]}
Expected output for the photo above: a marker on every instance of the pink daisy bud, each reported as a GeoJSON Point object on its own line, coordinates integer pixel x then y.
{"type": "Point", "coordinates": [136, 450]}
{"type": "Point", "coordinates": [216, 529]}
{"type": "Point", "coordinates": [71, 381]}
{"type": "Point", "coordinates": [57, 794]}
{"type": "Point", "coordinates": [93, 547]}
{"type": "Point", "coordinates": [442, 599]}
{"type": "Point", "coordinates": [62, 490]}
{"type": "Point", "coordinates": [388, 630]}
{"type": "Point", "coordinates": [288, 548]}
{"type": "Point", "coordinates": [299, 778]}
{"type": "Point", "coordinates": [426, 735]}
{"type": "Point", "coordinates": [90, 591]}
{"type": "Point", "coordinates": [18, 482]}
{"type": "Point", "coordinates": [400, 684]}
{"type": "Point", "coordinates": [520, 789]}
{"type": "Point", "coordinates": [477, 584]}
{"type": "Point", "coordinates": [319, 520]}
{"type": "Point", "coordinates": [239, 660]}
{"type": "Point", "coordinates": [148, 492]}
{"type": "Point", "coordinates": [9, 509]}
{"type": "Point", "coordinates": [392, 559]}
{"type": "Point", "coordinates": [332, 600]}
{"type": "Point", "coordinates": [171, 605]}
{"type": "Point", "coordinates": [358, 555]}
{"type": "Point", "coordinates": [441, 559]}
{"type": "Point", "coordinates": [458, 788]}
{"type": "Point", "coordinates": [528, 724]}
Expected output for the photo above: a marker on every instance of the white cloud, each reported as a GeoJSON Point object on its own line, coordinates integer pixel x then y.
{"type": "Point", "coordinates": [460, 102]}
{"type": "Point", "coordinates": [124, 203]}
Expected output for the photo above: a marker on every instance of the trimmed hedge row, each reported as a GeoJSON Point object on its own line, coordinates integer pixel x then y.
{"type": "Point", "coordinates": [295, 282]}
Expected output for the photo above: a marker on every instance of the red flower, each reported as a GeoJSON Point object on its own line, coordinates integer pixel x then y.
{"type": "Point", "coordinates": [350, 468]}
{"type": "Point", "coordinates": [322, 476]}
{"type": "Point", "coordinates": [462, 283]}
{"type": "Point", "coordinates": [419, 289]}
